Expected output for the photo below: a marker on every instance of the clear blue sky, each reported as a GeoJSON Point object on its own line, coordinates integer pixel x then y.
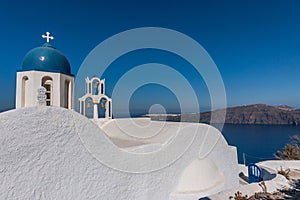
{"type": "Point", "coordinates": [254, 43]}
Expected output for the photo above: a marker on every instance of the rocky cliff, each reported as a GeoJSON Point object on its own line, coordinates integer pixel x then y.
{"type": "Point", "coordinates": [250, 114]}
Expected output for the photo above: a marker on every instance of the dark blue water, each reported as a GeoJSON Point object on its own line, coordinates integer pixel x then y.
{"type": "Point", "coordinates": [258, 142]}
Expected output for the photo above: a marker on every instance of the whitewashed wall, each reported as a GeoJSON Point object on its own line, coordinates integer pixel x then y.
{"type": "Point", "coordinates": [44, 155]}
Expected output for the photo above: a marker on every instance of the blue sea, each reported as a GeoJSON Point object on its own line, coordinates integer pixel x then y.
{"type": "Point", "coordinates": [258, 142]}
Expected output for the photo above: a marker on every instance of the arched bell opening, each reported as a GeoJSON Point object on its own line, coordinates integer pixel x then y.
{"type": "Point", "coordinates": [47, 82]}
{"type": "Point", "coordinates": [24, 91]}
{"type": "Point", "coordinates": [68, 95]}
{"type": "Point", "coordinates": [95, 87]}
{"type": "Point", "coordinates": [88, 108]}
{"type": "Point", "coordinates": [102, 108]}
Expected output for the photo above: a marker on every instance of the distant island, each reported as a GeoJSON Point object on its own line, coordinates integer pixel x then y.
{"type": "Point", "coordinates": [250, 114]}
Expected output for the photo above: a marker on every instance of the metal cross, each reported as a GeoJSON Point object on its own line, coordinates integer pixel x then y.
{"type": "Point", "coordinates": [48, 37]}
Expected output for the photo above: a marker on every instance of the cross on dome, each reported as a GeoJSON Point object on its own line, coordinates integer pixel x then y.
{"type": "Point", "coordinates": [48, 37]}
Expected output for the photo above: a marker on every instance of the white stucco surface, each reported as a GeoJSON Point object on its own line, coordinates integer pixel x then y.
{"type": "Point", "coordinates": [278, 164]}
{"type": "Point", "coordinates": [53, 153]}
{"type": "Point", "coordinates": [272, 179]}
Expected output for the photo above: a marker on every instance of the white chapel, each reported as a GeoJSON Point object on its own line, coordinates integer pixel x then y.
{"type": "Point", "coordinates": [47, 67]}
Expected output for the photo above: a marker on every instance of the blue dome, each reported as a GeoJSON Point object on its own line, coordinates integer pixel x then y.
{"type": "Point", "coordinates": [46, 58]}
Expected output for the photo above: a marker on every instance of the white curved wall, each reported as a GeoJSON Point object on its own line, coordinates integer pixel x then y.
{"type": "Point", "coordinates": [201, 175]}
{"type": "Point", "coordinates": [43, 156]}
